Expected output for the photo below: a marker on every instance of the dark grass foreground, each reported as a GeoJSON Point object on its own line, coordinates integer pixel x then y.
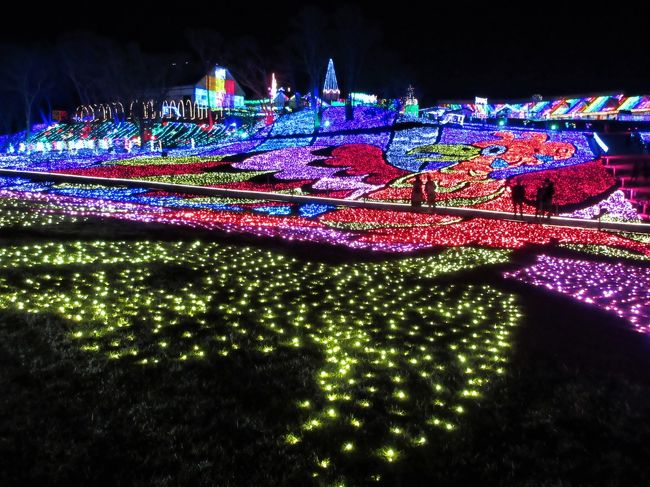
{"type": "Point", "coordinates": [571, 409]}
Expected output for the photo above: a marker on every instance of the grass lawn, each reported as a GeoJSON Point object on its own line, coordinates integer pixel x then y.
{"type": "Point", "coordinates": [154, 357]}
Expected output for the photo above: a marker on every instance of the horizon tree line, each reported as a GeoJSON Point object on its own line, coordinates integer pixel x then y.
{"type": "Point", "coordinates": [85, 68]}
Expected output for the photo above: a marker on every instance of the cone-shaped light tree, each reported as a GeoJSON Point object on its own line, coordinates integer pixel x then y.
{"type": "Point", "coordinates": [331, 87]}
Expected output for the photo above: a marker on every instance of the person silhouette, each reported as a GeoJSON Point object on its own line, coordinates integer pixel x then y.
{"type": "Point", "coordinates": [417, 196]}
{"type": "Point", "coordinates": [539, 201]}
{"type": "Point", "coordinates": [518, 195]}
{"type": "Point", "coordinates": [549, 192]}
{"type": "Point", "coordinates": [430, 190]}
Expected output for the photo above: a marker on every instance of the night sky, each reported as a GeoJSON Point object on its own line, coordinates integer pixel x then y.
{"type": "Point", "coordinates": [458, 52]}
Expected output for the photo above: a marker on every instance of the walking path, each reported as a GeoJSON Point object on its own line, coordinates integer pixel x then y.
{"type": "Point", "coordinates": [293, 198]}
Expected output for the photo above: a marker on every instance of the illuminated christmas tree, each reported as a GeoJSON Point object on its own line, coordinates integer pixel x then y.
{"type": "Point", "coordinates": [331, 87]}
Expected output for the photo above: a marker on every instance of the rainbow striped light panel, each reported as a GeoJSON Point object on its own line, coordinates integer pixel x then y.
{"type": "Point", "coordinates": [590, 107]}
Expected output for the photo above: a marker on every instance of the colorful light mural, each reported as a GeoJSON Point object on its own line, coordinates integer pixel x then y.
{"type": "Point", "coordinates": [375, 156]}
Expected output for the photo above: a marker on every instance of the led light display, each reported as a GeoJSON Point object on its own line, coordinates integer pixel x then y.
{"type": "Point", "coordinates": [614, 208]}
{"type": "Point", "coordinates": [384, 384]}
{"type": "Point", "coordinates": [619, 288]}
{"type": "Point", "coordinates": [373, 156]}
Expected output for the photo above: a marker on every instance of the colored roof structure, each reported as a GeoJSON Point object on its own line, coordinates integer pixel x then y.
{"type": "Point", "coordinates": [572, 107]}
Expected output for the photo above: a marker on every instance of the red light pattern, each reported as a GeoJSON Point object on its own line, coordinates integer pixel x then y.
{"type": "Point", "coordinates": [527, 150]}
{"type": "Point", "coordinates": [573, 184]}
{"type": "Point", "coordinates": [353, 227]}
{"type": "Point", "coordinates": [423, 230]}
{"type": "Point", "coordinates": [364, 160]}
{"type": "Point", "coordinates": [144, 171]}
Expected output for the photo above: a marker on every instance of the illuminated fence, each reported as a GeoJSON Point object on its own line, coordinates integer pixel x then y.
{"type": "Point", "coordinates": [149, 110]}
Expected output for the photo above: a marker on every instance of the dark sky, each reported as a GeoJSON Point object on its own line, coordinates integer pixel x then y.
{"type": "Point", "coordinates": [457, 51]}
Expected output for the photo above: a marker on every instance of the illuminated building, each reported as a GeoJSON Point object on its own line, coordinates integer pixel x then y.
{"type": "Point", "coordinates": [216, 90]}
